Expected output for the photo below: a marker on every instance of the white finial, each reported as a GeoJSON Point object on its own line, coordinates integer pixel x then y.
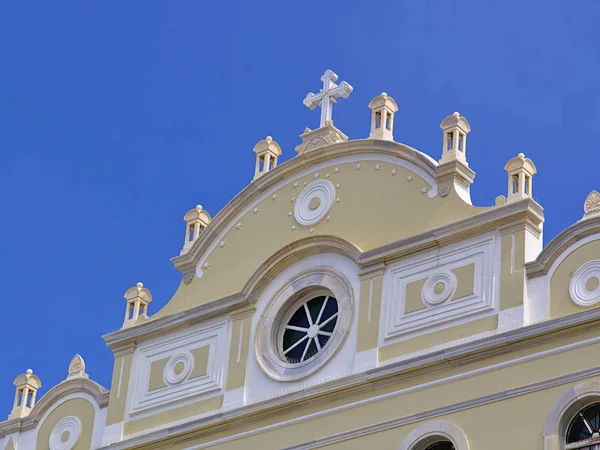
{"type": "Point", "coordinates": [27, 385]}
{"type": "Point", "coordinates": [520, 173]}
{"type": "Point", "coordinates": [138, 298]}
{"type": "Point", "coordinates": [456, 114]}
{"type": "Point", "coordinates": [196, 220]}
{"type": "Point", "coordinates": [77, 366]}
{"type": "Point", "coordinates": [327, 95]}
{"type": "Point", "coordinates": [591, 206]}
{"type": "Point", "coordinates": [454, 148]}
{"type": "Point", "coordinates": [267, 151]}
{"type": "Point", "coordinates": [383, 108]}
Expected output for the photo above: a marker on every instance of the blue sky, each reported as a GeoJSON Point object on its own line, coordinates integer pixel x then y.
{"type": "Point", "coordinates": [117, 117]}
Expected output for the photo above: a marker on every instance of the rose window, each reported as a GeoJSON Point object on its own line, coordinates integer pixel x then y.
{"type": "Point", "coordinates": [308, 328]}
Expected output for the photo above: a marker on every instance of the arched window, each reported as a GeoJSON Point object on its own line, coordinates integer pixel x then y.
{"type": "Point", "coordinates": [583, 432]}
{"type": "Point", "coordinates": [435, 435]}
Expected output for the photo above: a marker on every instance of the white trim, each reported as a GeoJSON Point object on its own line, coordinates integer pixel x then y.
{"type": "Point", "coordinates": [70, 425]}
{"type": "Point", "coordinates": [309, 170]}
{"type": "Point", "coordinates": [513, 392]}
{"type": "Point", "coordinates": [284, 303]}
{"type": "Point", "coordinates": [512, 253]}
{"type": "Point", "coordinates": [398, 325]}
{"type": "Point", "coordinates": [510, 318]}
{"type": "Point", "coordinates": [577, 287]}
{"type": "Point", "coordinates": [120, 377]}
{"type": "Point", "coordinates": [180, 390]}
{"type": "Point", "coordinates": [240, 341]}
{"type": "Point", "coordinates": [370, 299]}
{"type": "Point", "coordinates": [234, 399]}
{"type": "Point", "coordinates": [573, 401]}
{"type": "Point", "coordinates": [428, 433]}
{"type": "Point", "coordinates": [321, 189]}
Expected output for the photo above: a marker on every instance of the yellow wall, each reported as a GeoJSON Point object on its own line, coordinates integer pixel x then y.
{"type": "Point", "coordinates": [78, 407]}
{"type": "Point", "coordinates": [560, 300]}
{"type": "Point", "coordinates": [375, 208]}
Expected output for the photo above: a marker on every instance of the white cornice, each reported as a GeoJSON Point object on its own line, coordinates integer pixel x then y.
{"type": "Point", "coordinates": [289, 168]}
{"type": "Point", "coordinates": [457, 356]}
{"type": "Point", "coordinates": [122, 340]}
{"type": "Point", "coordinates": [526, 213]}
{"type": "Point", "coordinates": [61, 390]}
{"type": "Point", "coordinates": [560, 243]}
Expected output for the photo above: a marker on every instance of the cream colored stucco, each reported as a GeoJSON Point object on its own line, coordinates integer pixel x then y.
{"type": "Point", "coordinates": [374, 208]}
{"type": "Point", "coordinates": [512, 279]}
{"type": "Point", "coordinates": [118, 392]}
{"type": "Point", "coordinates": [438, 337]}
{"type": "Point", "coordinates": [465, 282]}
{"type": "Point", "coordinates": [522, 411]}
{"type": "Point", "coordinates": [173, 415]}
{"type": "Point", "coordinates": [560, 300]}
{"type": "Point", "coordinates": [77, 407]}
{"type": "Point", "coordinates": [369, 312]}
{"type": "Point", "coordinates": [238, 355]}
{"type": "Point", "coordinates": [200, 355]}
{"type": "Point", "coordinates": [157, 369]}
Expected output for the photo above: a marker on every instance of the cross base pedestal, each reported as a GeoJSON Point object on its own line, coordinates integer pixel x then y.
{"type": "Point", "coordinates": [321, 137]}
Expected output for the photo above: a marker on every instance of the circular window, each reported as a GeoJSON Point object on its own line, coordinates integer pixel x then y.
{"type": "Point", "coordinates": [309, 327]}
{"type": "Point", "coordinates": [304, 325]}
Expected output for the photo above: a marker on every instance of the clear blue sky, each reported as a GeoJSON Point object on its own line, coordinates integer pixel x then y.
{"type": "Point", "coordinates": [117, 117]}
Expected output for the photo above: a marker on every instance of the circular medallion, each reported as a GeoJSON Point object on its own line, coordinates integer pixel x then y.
{"type": "Point", "coordinates": [178, 368]}
{"type": "Point", "coordinates": [314, 202]}
{"type": "Point", "coordinates": [65, 434]}
{"type": "Point", "coordinates": [439, 288]}
{"type": "Point", "coordinates": [584, 287]}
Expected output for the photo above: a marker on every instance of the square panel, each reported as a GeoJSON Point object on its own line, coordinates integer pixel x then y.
{"type": "Point", "coordinates": [179, 369]}
{"type": "Point", "coordinates": [440, 289]}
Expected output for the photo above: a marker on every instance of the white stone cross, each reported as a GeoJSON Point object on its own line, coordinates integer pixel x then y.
{"type": "Point", "coordinates": [327, 96]}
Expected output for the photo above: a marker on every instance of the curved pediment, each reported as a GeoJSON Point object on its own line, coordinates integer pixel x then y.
{"type": "Point", "coordinates": [370, 193]}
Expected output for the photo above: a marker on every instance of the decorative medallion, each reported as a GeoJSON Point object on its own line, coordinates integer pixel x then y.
{"type": "Point", "coordinates": [439, 288]}
{"type": "Point", "coordinates": [444, 191]}
{"type": "Point", "coordinates": [178, 368]}
{"type": "Point", "coordinates": [314, 202]}
{"type": "Point", "coordinates": [77, 367]}
{"type": "Point", "coordinates": [65, 434]}
{"type": "Point", "coordinates": [584, 287]}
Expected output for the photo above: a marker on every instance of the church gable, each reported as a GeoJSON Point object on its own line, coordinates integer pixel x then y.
{"type": "Point", "coordinates": [353, 275]}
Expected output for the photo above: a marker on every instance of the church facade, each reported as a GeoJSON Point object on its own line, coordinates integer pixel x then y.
{"type": "Point", "coordinates": [351, 297]}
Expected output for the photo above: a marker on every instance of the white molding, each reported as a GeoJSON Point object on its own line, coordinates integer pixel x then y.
{"type": "Point", "coordinates": [439, 311]}
{"type": "Point", "coordinates": [180, 389]}
{"type": "Point", "coordinates": [428, 433]}
{"type": "Point", "coordinates": [224, 228]}
{"type": "Point", "coordinates": [367, 359]}
{"type": "Point", "coordinates": [573, 401]}
{"type": "Point", "coordinates": [234, 399]}
{"type": "Point", "coordinates": [577, 286]}
{"type": "Point", "coordinates": [516, 337]}
{"type": "Point", "coordinates": [261, 386]}
{"type": "Point", "coordinates": [70, 425]}
{"type": "Point", "coordinates": [510, 318]}
{"type": "Point", "coordinates": [321, 189]}
{"type": "Point", "coordinates": [268, 327]}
